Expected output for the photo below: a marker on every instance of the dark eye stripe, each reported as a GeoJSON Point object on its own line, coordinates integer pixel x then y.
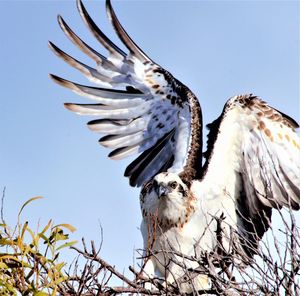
{"type": "Point", "coordinates": [181, 190]}
{"type": "Point", "coordinates": [155, 185]}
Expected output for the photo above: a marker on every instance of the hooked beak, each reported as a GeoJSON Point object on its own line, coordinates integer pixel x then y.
{"type": "Point", "coordinates": [162, 191]}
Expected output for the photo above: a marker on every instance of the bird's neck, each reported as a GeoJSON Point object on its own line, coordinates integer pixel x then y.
{"type": "Point", "coordinates": [170, 212]}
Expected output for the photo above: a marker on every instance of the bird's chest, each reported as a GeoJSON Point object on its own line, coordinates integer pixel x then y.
{"type": "Point", "coordinates": [177, 238]}
{"type": "Point", "coordinates": [169, 244]}
{"type": "Point", "coordinates": [168, 225]}
{"type": "Point", "coordinates": [217, 214]}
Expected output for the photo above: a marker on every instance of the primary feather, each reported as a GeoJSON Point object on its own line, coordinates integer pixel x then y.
{"type": "Point", "coordinates": [147, 99]}
{"type": "Point", "coordinates": [252, 158]}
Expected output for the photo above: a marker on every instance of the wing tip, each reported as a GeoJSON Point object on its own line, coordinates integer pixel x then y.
{"type": "Point", "coordinates": [59, 19]}
{"type": "Point", "coordinates": [61, 81]}
{"type": "Point", "coordinates": [90, 125]}
{"type": "Point", "coordinates": [62, 24]}
{"type": "Point", "coordinates": [104, 141]}
{"type": "Point", "coordinates": [132, 181]}
{"type": "Point", "coordinates": [54, 48]}
{"type": "Point", "coordinates": [114, 154]}
{"type": "Point", "coordinates": [79, 5]}
{"type": "Point", "coordinates": [68, 106]}
{"type": "Point", "coordinates": [73, 107]}
{"type": "Point", "coordinates": [56, 78]}
{"type": "Point", "coordinates": [83, 12]}
{"type": "Point", "coordinates": [122, 34]}
{"type": "Point", "coordinates": [108, 4]}
{"type": "Point", "coordinates": [109, 9]}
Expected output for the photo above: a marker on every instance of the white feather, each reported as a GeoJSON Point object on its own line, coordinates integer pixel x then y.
{"type": "Point", "coordinates": [109, 127]}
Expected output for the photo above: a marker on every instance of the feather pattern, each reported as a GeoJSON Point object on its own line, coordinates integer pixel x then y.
{"type": "Point", "coordinates": [96, 56]}
{"type": "Point", "coordinates": [92, 74]}
{"type": "Point", "coordinates": [262, 163]}
{"type": "Point", "coordinates": [114, 127]}
{"type": "Point", "coordinates": [140, 106]}
{"type": "Point", "coordinates": [252, 160]}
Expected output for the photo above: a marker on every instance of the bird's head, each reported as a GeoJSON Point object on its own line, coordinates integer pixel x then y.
{"type": "Point", "coordinates": [169, 187]}
{"type": "Point", "coordinates": [168, 199]}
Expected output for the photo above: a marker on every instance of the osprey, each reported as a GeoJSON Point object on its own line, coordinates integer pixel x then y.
{"type": "Point", "coordinates": [252, 160]}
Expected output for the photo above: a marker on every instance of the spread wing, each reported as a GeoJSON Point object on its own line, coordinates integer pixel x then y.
{"type": "Point", "coordinates": [259, 149]}
{"type": "Point", "coordinates": [140, 107]}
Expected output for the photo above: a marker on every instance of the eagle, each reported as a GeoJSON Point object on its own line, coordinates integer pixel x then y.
{"type": "Point", "coordinates": [191, 202]}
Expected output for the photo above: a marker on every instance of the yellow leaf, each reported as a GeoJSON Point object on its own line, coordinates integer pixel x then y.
{"type": "Point", "coordinates": [3, 265]}
{"type": "Point", "coordinates": [68, 226]}
{"type": "Point", "coordinates": [46, 227]}
{"type": "Point", "coordinates": [7, 256]}
{"type": "Point", "coordinates": [21, 237]}
{"type": "Point", "coordinates": [40, 294]}
{"type": "Point", "coordinates": [7, 241]}
{"type": "Point", "coordinates": [24, 229]}
{"type": "Point", "coordinates": [59, 266]}
{"type": "Point", "coordinates": [60, 280]}
{"type": "Point", "coordinates": [54, 291]}
{"type": "Point", "coordinates": [41, 234]}
{"type": "Point", "coordinates": [27, 202]}
{"type": "Point", "coordinates": [32, 236]}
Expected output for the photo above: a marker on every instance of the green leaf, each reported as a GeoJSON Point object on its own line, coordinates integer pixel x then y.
{"type": "Point", "coordinates": [67, 245]}
{"type": "Point", "coordinates": [60, 236]}
{"type": "Point", "coordinates": [56, 235]}
{"type": "Point", "coordinates": [45, 238]}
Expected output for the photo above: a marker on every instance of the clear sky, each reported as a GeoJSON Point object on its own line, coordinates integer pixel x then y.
{"type": "Point", "coordinates": [217, 48]}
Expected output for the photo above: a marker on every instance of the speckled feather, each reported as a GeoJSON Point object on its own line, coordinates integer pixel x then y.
{"type": "Point", "coordinates": [252, 165]}
{"type": "Point", "coordinates": [138, 104]}
{"type": "Point", "coordinates": [252, 158]}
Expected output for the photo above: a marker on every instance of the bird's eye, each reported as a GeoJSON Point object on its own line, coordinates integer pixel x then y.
{"type": "Point", "coordinates": [173, 185]}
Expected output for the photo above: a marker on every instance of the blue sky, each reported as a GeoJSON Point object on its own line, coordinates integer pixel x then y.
{"type": "Point", "coordinates": [217, 48]}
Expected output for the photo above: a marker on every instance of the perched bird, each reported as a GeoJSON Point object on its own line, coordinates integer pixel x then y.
{"type": "Point", "coordinates": [252, 160]}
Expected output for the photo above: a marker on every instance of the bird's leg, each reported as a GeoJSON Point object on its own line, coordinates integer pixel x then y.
{"type": "Point", "coordinates": [148, 272]}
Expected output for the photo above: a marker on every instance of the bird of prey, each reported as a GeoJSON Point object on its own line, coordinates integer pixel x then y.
{"type": "Point", "coordinates": [252, 162]}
